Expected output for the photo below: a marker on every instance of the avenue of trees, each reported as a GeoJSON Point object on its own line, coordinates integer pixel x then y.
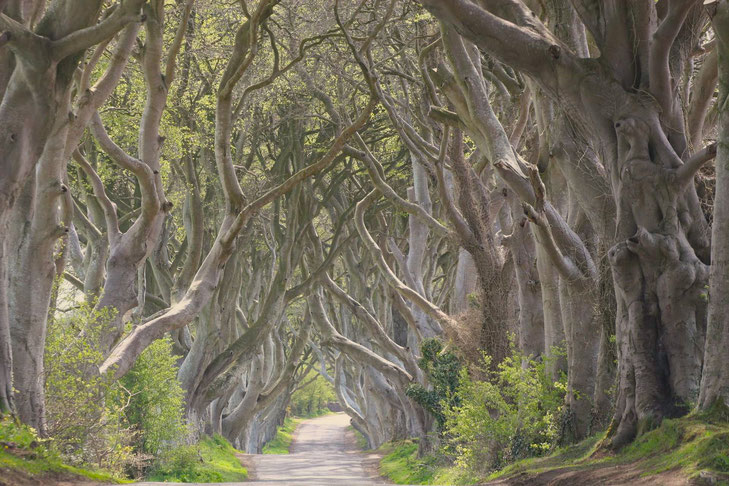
{"type": "Point", "coordinates": [294, 190]}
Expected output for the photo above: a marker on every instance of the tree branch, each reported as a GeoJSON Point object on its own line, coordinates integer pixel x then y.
{"type": "Point", "coordinates": [128, 11]}
{"type": "Point", "coordinates": [110, 215]}
{"type": "Point", "coordinates": [145, 176]}
{"type": "Point", "coordinates": [685, 173]}
{"type": "Point", "coordinates": [659, 63]}
{"type": "Point", "coordinates": [427, 306]}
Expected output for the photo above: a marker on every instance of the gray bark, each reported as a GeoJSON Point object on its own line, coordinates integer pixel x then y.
{"type": "Point", "coordinates": [715, 379]}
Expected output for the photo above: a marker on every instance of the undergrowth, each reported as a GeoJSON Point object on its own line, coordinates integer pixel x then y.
{"type": "Point", "coordinates": [360, 439]}
{"type": "Point", "coordinates": [212, 460]}
{"type": "Point", "coordinates": [693, 446]}
{"type": "Point", "coordinates": [22, 451]}
{"type": "Point", "coordinates": [402, 465]}
{"type": "Point", "coordinates": [698, 443]}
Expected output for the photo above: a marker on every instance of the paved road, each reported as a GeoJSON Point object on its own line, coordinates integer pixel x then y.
{"type": "Point", "coordinates": [323, 453]}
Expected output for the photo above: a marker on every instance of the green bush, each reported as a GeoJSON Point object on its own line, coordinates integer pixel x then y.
{"type": "Point", "coordinates": [84, 419]}
{"type": "Point", "coordinates": [212, 460]}
{"type": "Point", "coordinates": [156, 399]}
{"type": "Point", "coordinates": [114, 425]}
{"type": "Point", "coordinates": [16, 435]}
{"type": "Point", "coordinates": [28, 456]}
{"type": "Point", "coordinates": [512, 415]}
{"type": "Point", "coordinates": [182, 464]}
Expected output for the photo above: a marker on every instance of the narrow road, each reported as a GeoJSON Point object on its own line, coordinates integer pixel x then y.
{"type": "Point", "coordinates": [323, 452]}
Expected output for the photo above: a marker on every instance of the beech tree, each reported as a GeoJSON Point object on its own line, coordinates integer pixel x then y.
{"type": "Point", "coordinates": [661, 252]}
{"type": "Point", "coordinates": [292, 188]}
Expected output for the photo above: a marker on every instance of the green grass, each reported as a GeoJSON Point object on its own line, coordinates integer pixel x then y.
{"type": "Point", "coordinates": [281, 443]}
{"type": "Point", "coordinates": [402, 466]}
{"type": "Point", "coordinates": [24, 453]}
{"type": "Point", "coordinates": [212, 460]}
{"type": "Point", "coordinates": [693, 444]}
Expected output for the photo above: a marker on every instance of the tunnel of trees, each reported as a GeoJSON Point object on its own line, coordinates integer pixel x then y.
{"type": "Point", "coordinates": [377, 192]}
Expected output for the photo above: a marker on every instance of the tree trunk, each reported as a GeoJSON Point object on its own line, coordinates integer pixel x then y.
{"type": "Point", "coordinates": [715, 379]}
{"type": "Point", "coordinates": [6, 354]}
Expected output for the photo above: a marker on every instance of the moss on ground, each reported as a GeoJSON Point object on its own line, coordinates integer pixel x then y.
{"type": "Point", "coordinates": [281, 443]}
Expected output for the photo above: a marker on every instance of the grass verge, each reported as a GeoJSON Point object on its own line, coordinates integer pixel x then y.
{"type": "Point", "coordinates": [212, 460]}
{"type": "Point", "coordinates": [402, 465]}
{"type": "Point", "coordinates": [281, 443]}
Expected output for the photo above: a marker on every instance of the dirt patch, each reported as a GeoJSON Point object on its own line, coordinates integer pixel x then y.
{"type": "Point", "coordinates": [622, 474]}
{"type": "Point", "coordinates": [13, 477]}
{"type": "Point", "coordinates": [294, 438]}
{"type": "Point", "coordinates": [247, 461]}
{"type": "Point", "coordinates": [370, 459]}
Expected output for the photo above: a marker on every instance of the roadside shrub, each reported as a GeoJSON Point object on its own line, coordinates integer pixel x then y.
{"type": "Point", "coordinates": [16, 435]}
{"type": "Point", "coordinates": [512, 415]}
{"type": "Point", "coordinates": [182, 464]}
{"type": "Point", "coordinates": [83, 418]}
{"type": "Point", "coordinates": [155, 398]}
{"type": "Point", "coordinates": [212, 460]}
{"type": "Point", "coordinates": [93, 420]}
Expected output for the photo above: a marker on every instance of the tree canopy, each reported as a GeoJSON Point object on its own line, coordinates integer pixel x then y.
{"type": "Point", "coordinates": [289, 192]}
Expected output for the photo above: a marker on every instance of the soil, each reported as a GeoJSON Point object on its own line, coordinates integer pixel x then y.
{"type": "Point", "coordinates": [623, 474]}
{"type": "Point", "coordinates": [13, 477]}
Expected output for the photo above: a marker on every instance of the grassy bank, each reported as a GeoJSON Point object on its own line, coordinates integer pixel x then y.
{"type": "Point", "coordinates": [402, 465]}
{"type": "Point", "coordinates": [695, 448]}
{"type": "Point", "coordinates": [25, 459]}
{"type": "Point", "coordinates": [212, 460]}
{"type": "Point", "coordinates": [281, 443]}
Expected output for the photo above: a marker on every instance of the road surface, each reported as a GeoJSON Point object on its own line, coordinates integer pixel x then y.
{"type": "Point", "coordinates": [323, 453]}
